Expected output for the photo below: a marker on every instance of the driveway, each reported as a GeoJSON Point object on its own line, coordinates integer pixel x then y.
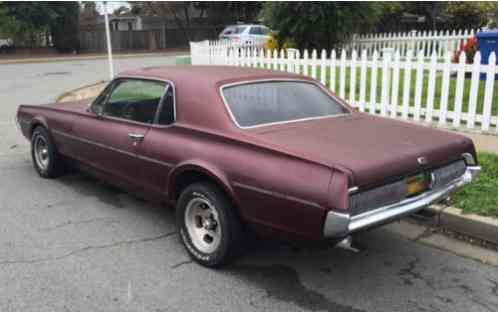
{"type": "Point", "coordinates": [77, 244]}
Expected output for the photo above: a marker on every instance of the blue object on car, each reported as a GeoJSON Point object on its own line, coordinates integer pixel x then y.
{"type": "Point", "coordinates": [488, 42]}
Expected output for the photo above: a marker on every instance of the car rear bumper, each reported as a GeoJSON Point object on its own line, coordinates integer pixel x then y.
{"type": "Point", "coordinates": [342, 224]}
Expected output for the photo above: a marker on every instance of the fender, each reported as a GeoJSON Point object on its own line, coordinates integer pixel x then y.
{"type": "Point", "coordinates": [37, 120]}
{"type": "Point", "coordinates": [206, 168]}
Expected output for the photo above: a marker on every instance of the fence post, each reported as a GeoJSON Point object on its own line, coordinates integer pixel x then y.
{"type": "Point", "coordinates": [363, 79]}
{"type": "Point", "coordinates": [474, 88]}
{"type": "Point", "coordinates": [332, 70]}
{"type": "Point", "coordinates": [488, 92]}
{"type": "Point", "coordinates": [342, 75]}
{"type": "Point", "coordinates": [352, 80]}
{"type": "Point", "coordinates": [445, 89]}
{"type": "Point", "coordinates": [323, 67]}
{"type": "Point", "coordinates": [386, 80]}
{"type": "Point", "coordinates": [432, 87]}
{"type": "Point", "coordinates": [313, 63]}
{"type": "Point", "coordinates": [413, 34]}
{"type": "Point", "coordinates": [373, 83]}
{"type": "Point", "coordinates": [407, 84]}
{"type": "Point", "coordinates": [418, 85]}
{"type": "Point", "coordinates": [457, 110]}
{"type": "Point", "coordinates": [395, 85]}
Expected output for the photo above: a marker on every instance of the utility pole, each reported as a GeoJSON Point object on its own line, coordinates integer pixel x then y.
{"type": "Point", "coordinates": [108, 37]}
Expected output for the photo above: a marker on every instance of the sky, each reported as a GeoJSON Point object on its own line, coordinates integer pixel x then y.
{"type": "Point", "coordinates": [111, 6]}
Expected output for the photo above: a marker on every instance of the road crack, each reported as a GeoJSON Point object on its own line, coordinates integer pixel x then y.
{"type": "Point", "coordinates": [88, 248]}
{"type": "Point", "coordinates": [177, 265]}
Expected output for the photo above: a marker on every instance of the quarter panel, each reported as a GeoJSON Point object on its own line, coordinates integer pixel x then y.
{"type": "Point", "coordinates": [271, 188]}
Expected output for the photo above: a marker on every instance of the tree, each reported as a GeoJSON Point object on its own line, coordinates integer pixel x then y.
{"type": "Point", "coordinates": [467, 15]}
{"type": "Point", "coordinates": [64, 26]}
{"type": "Point", "coordinates": [88, 16]}
{"type": "Point", "coordinates": [187, 14]}
{"type": "Point", "coordinates": [320, 25]}
{"type": "Point", "coordinates": [35, 18]}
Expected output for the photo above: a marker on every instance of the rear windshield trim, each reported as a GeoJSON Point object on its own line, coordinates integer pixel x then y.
{"type": "Point", "coordinates": [248, 82]}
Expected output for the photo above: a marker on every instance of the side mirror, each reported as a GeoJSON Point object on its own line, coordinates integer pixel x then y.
{"type": "Point", "coordinates": [90, 110]}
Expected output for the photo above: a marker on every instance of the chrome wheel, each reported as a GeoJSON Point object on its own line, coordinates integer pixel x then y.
{"type": "Point", "coordinates": [41, 153]}
{"type": "Point", "coordinates": [203, 225]}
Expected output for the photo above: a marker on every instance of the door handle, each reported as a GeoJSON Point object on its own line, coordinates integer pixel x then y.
{"type": "Point", "coordinates": [136, 137]}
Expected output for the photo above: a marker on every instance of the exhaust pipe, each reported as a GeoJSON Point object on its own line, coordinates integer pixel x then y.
{"type": "Point", "coordinates": [347, 244]}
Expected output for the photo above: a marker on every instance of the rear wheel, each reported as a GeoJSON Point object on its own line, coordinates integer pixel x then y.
{"type": "Point", "coordinates": [209, 227]}
{"type": "Point", "coordinates": [46, 159]}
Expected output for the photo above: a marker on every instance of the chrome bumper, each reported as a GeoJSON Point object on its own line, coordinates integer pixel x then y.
{"type": "Point", "coordinates": [342, 224]}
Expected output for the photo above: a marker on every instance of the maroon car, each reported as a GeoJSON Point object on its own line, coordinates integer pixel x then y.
{"type": "Point", "coordinates": [239, 148]}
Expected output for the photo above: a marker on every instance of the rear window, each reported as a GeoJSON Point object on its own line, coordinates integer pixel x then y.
{"type": "Point", "coordinates": [261, 103]}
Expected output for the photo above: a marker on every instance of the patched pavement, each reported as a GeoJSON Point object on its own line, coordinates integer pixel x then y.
{"type": "Point", "coordinates": [75, 243]}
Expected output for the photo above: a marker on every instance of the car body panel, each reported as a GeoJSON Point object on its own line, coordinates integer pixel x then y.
{"type": "Point", "coordinates": [281, 178]}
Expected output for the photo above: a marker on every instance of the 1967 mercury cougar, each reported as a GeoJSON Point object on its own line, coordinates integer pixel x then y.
{"type": "Point", "coordinates": [234, 148]}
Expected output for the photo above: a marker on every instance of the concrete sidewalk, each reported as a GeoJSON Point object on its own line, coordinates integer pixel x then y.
{"type": "Point", "coordinates": [484, 143]}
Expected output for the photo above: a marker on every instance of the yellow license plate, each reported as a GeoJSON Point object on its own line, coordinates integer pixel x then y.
{"type": "Point", "coordinates": [417, 184]}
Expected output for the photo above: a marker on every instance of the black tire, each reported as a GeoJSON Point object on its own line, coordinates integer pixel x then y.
{"type": "Point", "coordinates": [230, 242]}
{"type": "Point", "coordinates": [53, 164]}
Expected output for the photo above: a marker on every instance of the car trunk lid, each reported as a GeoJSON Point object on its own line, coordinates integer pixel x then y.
{"type": "Point", "coordinates": [372, 148]}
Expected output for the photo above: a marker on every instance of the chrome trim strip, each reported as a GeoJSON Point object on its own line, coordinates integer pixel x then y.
{"type": "Point", "coordinates": [112, 148]}
{"type": "Point", "coordinates": [277, 194]}
{"type": "Point", "coordinates": [353, 189]}
{"type": "Point", "coordinates": [246, 82]}
{"type": "Point", "coordinates": [341, 224]}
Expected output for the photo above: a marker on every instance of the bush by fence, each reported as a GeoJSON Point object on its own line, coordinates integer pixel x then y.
{"type": "Point", "coordinates": [389, 84]}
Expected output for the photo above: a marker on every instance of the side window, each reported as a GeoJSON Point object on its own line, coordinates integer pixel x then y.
{"type": "Point", "coordinates": [265, 31]}
{"type": "Point", "coordinates": [167, 113]}
{"type": "Point", "coordinates": [135, 100]}
{"type": "Point", "coordinates": [255, 31]}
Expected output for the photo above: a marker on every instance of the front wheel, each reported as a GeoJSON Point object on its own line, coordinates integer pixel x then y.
{"type": "Point", "coordinates": [208, 224]}
{"type": "Point", "coordinates": [46, 159]}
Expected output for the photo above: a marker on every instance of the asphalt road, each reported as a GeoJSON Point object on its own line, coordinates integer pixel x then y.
{"type": "Point", "coordinates": [77, 244]}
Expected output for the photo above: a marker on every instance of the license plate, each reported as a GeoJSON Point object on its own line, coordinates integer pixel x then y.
{"type": "Point", "coordinates": [417, 184]}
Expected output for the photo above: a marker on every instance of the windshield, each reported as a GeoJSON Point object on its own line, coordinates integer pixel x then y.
{"type": "Point", "coordinates": [269, 102]}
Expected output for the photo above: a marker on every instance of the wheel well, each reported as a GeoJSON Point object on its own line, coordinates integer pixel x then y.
{"type": "Point", "coordinates": [33, 127]}
{"type": "Point", "coordinates": [190, 177]}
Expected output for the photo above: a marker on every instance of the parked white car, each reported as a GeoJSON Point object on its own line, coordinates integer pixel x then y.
{"type": "Point", "coordinates": [246, 34]}
{"type": "Point", "coordinates": [5, 44]}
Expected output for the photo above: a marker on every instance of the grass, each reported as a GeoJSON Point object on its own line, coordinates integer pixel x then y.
{"type": "Point", "coordinates": [424, 99]}
{"type": "Point", "coordinates": [481, 197]}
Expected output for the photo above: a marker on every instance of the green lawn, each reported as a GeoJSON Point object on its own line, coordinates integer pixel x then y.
{"type": "Point", "coordinates": [481, 197]}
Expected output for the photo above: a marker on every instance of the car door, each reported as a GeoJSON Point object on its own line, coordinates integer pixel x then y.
{"type": "Point", "coordinates": [110, 135]}
{"type": "Point", "coordinates": [161, 147]}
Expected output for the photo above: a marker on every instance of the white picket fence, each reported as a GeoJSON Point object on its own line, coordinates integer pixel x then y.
{"type": "Point", "coordinates": [426, 41]}
{"type": "Point", "coordinates": [433, 91]}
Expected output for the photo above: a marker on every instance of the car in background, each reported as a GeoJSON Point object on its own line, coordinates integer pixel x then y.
{"type": "Point", "coordinates": [246, 34]}
{"type": "Point", "coordinates": [6, 45]}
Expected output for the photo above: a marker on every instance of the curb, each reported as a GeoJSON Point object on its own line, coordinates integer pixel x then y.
{"type": "Point", "coordinates": [86, 58]}
{"type": "Point", "coordinates": [476, 226]}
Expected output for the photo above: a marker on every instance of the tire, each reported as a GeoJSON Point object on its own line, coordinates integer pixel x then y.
{"type": "Point", "coordinates": [208, 225]}
{"type": "Point", "coordinates": [46, 160]}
